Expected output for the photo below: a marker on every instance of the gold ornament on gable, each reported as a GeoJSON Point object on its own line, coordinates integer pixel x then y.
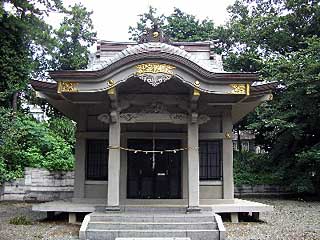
{"type": "Point", "coordinates": [240, 88]}
{"type": "Point", "coordinates": [154, 68]}
{"type": "Point", "coordinates": [67, 87]}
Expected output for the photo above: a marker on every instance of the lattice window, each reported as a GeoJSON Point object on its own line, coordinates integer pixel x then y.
{"type": "Point", "coordinates": [210, 160]}
{"type": "Point", "coordinates": [97, 159]}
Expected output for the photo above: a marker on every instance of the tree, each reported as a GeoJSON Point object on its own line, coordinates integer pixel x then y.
{"type": "Point", "coordinates": [179, 26]}
{"type": "Point", "coordinates": [73, 39]}
{"type": "Point", "coordinates": [280, 39]}
{"type": "Point", "coordinates": [186, 27]}
{"type": "Point", "coordinates": [22, 29]}
{"type": "Point", "coordinates": [69, 49]}
{"type": "Point", "coordinates": [145, 22]}
{"type": "Point", "coordinates": [29, 47]}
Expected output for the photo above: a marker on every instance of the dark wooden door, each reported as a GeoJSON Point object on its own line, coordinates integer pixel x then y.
{"type": "Point", "coordinates": [154, 176]}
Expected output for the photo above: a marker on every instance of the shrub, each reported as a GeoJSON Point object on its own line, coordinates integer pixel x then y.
{"type": "Point", "coordinates": [28, 143]}
{"type": "Point", "coordinates": [251, 168]}
{"type": "Point", "coordinates": [20, 220]}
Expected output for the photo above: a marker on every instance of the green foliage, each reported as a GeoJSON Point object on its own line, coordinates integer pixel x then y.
{"type": "Point", "coordinates": [73, 39]}
{"type": "Point", "coordinates": [145, 22]}
{"type": "Point", "coordinates": [28, 143]}
{"type": "Point", "coordinates": [23, 32]}
{"type": "Point", "coordinates": [20, 220]}
{"type": "Point", "coordinates": [186, 27]}
{"type": "Point", "coordinates": [179, 26]}
{"type": "Point", "coordinates": [251, 168]}
{"type": "Point", "coordinates": [281, 40]}
{"type": "Point", "coordinates": [64, 127]}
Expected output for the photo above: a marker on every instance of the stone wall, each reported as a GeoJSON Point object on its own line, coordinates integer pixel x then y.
{"type": "Point", "coordinates": [263, 189]}
{"type": "Point", "coordinates": [39, 185]}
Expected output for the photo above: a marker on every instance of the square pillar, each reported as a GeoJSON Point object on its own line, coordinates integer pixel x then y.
{"type": "Point", "coordinates": [80, 155]}
{"type": "Point", "coordinates": [114, 166]}
{"type": "Point", "coordinates": [228, 187]}
{"type": "Point", "coordinates": [80, 166]}
{"type": "Point", "coordinates": [193, 166]}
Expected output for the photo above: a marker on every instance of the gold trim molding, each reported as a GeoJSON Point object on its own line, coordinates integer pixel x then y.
{"type": "Point", "coordinates": [67, 87]}
{"type": "Point", "coordinates": [154, 68]}
{"type": "Point", "coordinates": [240, 88]}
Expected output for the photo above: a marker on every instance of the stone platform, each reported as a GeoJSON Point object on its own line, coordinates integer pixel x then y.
{"type": "Point", "coordinates": [87, 206]}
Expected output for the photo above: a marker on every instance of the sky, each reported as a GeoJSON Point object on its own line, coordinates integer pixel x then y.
{"type": "Point", "coordinates": [112, 19]}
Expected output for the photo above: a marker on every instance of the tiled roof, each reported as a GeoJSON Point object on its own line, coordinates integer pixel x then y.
{"type": "Point", "coordinates": [151, 47]}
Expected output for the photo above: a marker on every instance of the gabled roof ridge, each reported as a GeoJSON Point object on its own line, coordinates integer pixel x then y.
{"type": "Point", "coordinates": [150, 47]}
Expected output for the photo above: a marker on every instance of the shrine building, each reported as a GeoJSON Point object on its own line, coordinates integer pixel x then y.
{"type": "Point", "coordinates": [154, 126]}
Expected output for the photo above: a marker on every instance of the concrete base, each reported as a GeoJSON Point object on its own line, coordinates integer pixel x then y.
{"type": "Point", "coordinates": [234, 217]}
{"type": "Point", "coordinates": [72, 218]}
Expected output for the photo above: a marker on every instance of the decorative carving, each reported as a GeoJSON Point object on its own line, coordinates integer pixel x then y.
{"type": "Point", "coordinates": [154, 79]}
{"type": "Point", "coordinates": [196, 92]}
{"type": "Point", "coordinates": [111, 91]}
{"type": "Point", "coordinates": [154, 68]}
{"type": "Point", "coordinates": [155, 107]}
{"type": "Point", "coordinates": [153, 35]}
{"type": "Point", "coordinates": [154, 73]}
{"type": "Point", "coordinates": [104, 117]}
{"type": "Point", "coordinates": [67, 87]}
{"type": "Point", "coordinates": [110, 82]}
{"type": "Point", "coordinates": [128, 116]}
{"type": "Point", "coordinates": [228, 135]}
{"type": "Point", "coordinates": [203, 119]}
{"type": "Point", "coordinates": [238, 88]}
{"type": "Point", "coordinates": [178, 116]}
{"type": "Point", "coordinates": [175, 118]}
{"type": "Point", "coordinates": [248, 89]}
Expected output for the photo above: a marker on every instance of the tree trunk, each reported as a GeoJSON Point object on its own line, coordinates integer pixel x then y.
{"type": "Point", "coordinates": [15, 102]}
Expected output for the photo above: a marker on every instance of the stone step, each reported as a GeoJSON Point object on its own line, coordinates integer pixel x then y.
{"type": "Point", "coordinates": [96, 234]}
{"type": "Point", "coordinates": [154, 209]}
{"type": "Point", "coordinates": [152, 225]}
{"type": "Point", "coordinates": [151, 218]}
{"type": "Point", "coordinates": [167, 209]}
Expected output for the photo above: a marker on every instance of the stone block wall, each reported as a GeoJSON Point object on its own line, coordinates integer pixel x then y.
{"type": "Point", "coordinates": [263, 189]}
{"type": "Point", "coordinates": [39, 185]}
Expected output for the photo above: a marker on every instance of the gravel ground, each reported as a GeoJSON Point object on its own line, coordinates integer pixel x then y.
{"type": "Point", "coordinates": [290, 220]}
{"type": "Point", "coordinates": [40, 228]}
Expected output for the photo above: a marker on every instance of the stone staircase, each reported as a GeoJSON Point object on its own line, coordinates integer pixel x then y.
{"type": "Point", "coordinates": [152, 223]}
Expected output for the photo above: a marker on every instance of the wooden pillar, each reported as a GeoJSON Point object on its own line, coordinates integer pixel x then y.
{"type": "Point", "coordinates": [193, 166]}
{"type": "Point", "coordinates": [114, 166]}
